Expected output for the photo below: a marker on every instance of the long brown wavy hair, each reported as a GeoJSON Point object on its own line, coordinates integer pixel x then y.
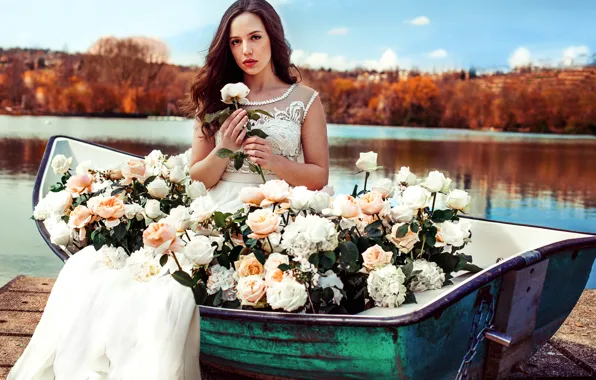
{"type": "Point", "coordinates": [220, 68]}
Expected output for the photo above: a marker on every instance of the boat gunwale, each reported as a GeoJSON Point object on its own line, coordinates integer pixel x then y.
{"type": "Point", "coordinates": [517, 262]}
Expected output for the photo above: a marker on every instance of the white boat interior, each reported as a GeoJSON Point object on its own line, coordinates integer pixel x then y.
{"type": "Point", "coordinates": [491, 241]}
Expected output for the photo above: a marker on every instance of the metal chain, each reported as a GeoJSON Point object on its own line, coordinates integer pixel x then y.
{"type": "Point", "coordinates": [483, 319]}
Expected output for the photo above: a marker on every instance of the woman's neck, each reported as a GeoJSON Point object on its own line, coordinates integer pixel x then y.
{"type": "Point", "coordinates": [263, 81]}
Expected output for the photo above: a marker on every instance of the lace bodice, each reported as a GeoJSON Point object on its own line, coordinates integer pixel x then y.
{"type": "Point", "coordinates": [284, 129]}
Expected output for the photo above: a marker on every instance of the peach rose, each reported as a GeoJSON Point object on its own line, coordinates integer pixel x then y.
{"type": "Point", "coordinates": [248, 265]}
{"type": "Point", "coordinates": [262, 223]}
{"type": "Point", "coordinates": [78, 184]}
{"type": "Point", "coordinates": [347, 206]}
{"type": "Point", "coordinates": [133, 169]}
{"type": "Point", "coordinates": [115, 174]}
{"type": "Point", "coordinates": [111, 209]}
{"type": "Point", "coordinates": [375, 258]}
{"type": "Point", "coordinates": [252, 196]}
{"type": "Point", "coordinates": [80, 217]}
{"type": "Point", "coordinates": [162, 236]}
{"type": "Point", "coordinates": [274, 191]}
{"type": "Point", "coordinates": [406, 243]}
{"type": "Point", "coordinates": [251, 290]}
{"type": "Point", "coordinates": [371, 203]}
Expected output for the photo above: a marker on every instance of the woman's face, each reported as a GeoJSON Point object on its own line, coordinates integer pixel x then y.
{"type": "Point", "coordinates": [250, 43]}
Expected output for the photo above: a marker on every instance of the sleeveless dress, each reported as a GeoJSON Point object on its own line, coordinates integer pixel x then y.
{"type": "Point", "coordinates": [101, 323]}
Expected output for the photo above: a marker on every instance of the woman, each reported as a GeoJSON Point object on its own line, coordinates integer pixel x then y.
{"type": "Point", "coordinates": [250, 47]}
{"type": "Point", "coordinates": [100, 323]}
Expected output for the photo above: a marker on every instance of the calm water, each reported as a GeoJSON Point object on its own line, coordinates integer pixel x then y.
{"type": "Point", "coordinates": [533, 179]}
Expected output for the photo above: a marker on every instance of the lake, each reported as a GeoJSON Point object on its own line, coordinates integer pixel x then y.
{"type": "Point", "coordinates": [533, 179]}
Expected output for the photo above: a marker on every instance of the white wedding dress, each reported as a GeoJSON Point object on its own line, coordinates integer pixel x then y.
{"type": "Point", "coordinates": [101, 323]}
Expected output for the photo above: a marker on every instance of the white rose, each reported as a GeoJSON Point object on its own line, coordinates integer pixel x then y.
{"type": "Point", "coordinates": [114, 258]}
{"type": "Point", "coordinates": [180, 218]}
{"type": "Point", "coordinates": [446, 186]}
{"type": "Point", "coordinates": [152, 209]}
{"type": "Point", "coordinates": [320, 201]}
{"type": "Point", "coordinates": [154, 158]}
{"type": "Point", "coordinates": [60, 233]}
{"type": "Point", "coordinates": [300, 198]}
{"type": "Point", "coordinates": [275, 239]}
{"type": "Point", "coordinates": [367, 162]}
{"type": "Point", "coordinates": [321, 231]}
{"type": "Point", "coordinates": [177, 174]}
{"type": "Point", "coordinates": [385, 187]}
{"type": "Point", "coordinates": [199, 250]}
{"type": "Point", "coordinates": [41, 211]}
{"type": "Point", "coordinates": [404, 176]}
{"type": "Point", "coordinates": [415, 197]}
{"type": "Point", "coordinates": [435, 181]}
{"type": "Point", "coordinates": [234, 91]}
{"type": "Point", "coordinates": [465, 226]}
{"type": "Point", "coordinates": [61, 164]}
{"type": "Point", "coordinates": [401, 214]}
{"type": "Point", "coordinates": [275, 191]}
{"type": "Point", "coordinates": [158, 188]}
{"type": "Point", "coordinates": [196, 189]}
{"type": "Point", "coordinates": [175, 161]}
{"type": "Point", "coordinates": [132, 211]}
{"type": "Point", "coordinates": [458, 200]}
{"type": "Point", "coordinates": [58, 202]}
{"type": "Point", "coordinates": [288, 295]}
{"type": "Point", "coordinates": [202, 208]}
{"type": "Point", "coordinates": [84, 167]}
{"type": "Point", "coordinates": [450, 233]}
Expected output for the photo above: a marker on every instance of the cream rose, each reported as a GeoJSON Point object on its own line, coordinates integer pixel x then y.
{"type": "Point", "coordinates": [234, 92]}
{"type": "Point", "coordinates": [262, 223]}
{"type": "Point", "coordinates": [415, 197]}
{"type": "Point", "coordinates": [111, 209]}
{"type": "Point", "coordinates": [153, 209]}
{"type": "Point", "coordinates": [375, 257]}
{"type": "Point", "coordinates": [458, 200]}
{"type": "Point", "coordinates": [435, 181]}
{"type": "Point", "coordinates": [385, 187]}
{"type": "Point", "coordinates": [84, 167]}
{"type": "Point", "coordinates": [196, 189]}
{"type": "Point", "coordinates": [288, 294]}
{"type": "Point", "coordinates": [251, 290]}
{"type": "Point", "coordinates": [450, 233]}
{"type": "Point", "coordinates": [401, 214]}
{"type": "Point", "coordinates": [80, 217]}
{"type": "Point", "coordinates": [202, 208]}
{"type": "Point", "coordinates": [177, 174]}
{"type": "Point", "coordinates": [158, 188]}
{"type": "Point", "coordinates": [180, 218]}
{"type": "Point", "coordinates": [79, 184]}
{"type": "Point", "coordinates": [61, 164]}
{"type": "Point", "coordinates": [371, 203]}
{"type": "Point", "coordinates": [251, 196]}
{"type": "Point", "coordinates": [346, 206]}
{"type": "Point", "coordinates": [133, 169]}
{"type": "Point", "coordinates": [405, 243]}
{"type": "Point", "coordinates": [199, 250]}
{"type": "Point", "coordinates": [367, 162]}
{"type": "Point", "coordinates": [154, 158]}
{"type": "Point", "coordinates": [248, 265]}
{"type": "Point", "coordinates": [301, 198]}
{"type": "Point", "coordinates": [274, 191]}
{"type": "Point", "coordinates": [58, 203]}
{"type": "Point", "coordinates": [405, 176]}
{"type": "Point", "coordinates": [274, 261]}
{"type": "Point", "coordinates": [162, 236]}
{"type": "Point", "coordinates": [60, 233]}
{"type": "Point", "coordinates": [320, 201]}
{"type": "Point", "coordinates": [446, 186]}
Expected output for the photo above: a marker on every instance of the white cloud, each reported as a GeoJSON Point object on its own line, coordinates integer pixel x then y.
{"type": "Point", "coordinates": [439, 53]}
{"type": "Point", "coordinates": [520, 57]}
{"type": "Point", "coordinates": [575, 54]}
{"type": "Point", "coordinates": [338, 31]}
{"type": "Point", "coordinates": [387, 61]}
{"type": "Point", "coordinates": [419, 21]}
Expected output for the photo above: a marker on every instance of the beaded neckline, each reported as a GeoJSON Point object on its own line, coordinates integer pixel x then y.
{"type": "Point", "coordinates": [273, 100]}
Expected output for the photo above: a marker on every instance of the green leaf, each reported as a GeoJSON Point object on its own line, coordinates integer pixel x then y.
{"type": "Point", "coordinates": [65, 218]}
{"type": "Point", "coordinates": [414, 227]}
{"type": "Point", "coordinates": [220, 219]}
{"type": "Point", "coordinates": [224, 153]}
{"type": "Point", "coordinates": [260, 255]}
{"type": "Point", "coordinates": [217, 298]}
{"type": "Point", "coordinates": [348, 256]}
{"type": "Point", "coordinates": [238, 162]}
{"type": "Point", "coordinates": [118, 191]}
{"type": "Point", "coordinates": [57, 187]}
{"type": "Point", "coordinates": [224, 260]}
{"type": "Point", "coordinates": [410, 297]}
{"type": "Point", "coordinates": [472, 268]}
{"type": "Point", "coordinates": [408, 268]}
{"type": "Point", "coordinates": [231, 304]}
{"type": "Point", "coordinates": [314, 259]}
{"type": "Point", "coordinates": [183, 278]}
{"type": "Point", "coordinates": [263, 112]}
{"type": "Point", "coordinates": [284, 267]}
{"type": "Point", "coordinates": [446, 261]}
{"type": "Point", "coordinates": [439, 216]}
{"type": "Point", "coordinates": [163, 260]}
{"type": "Point", "coordinates": [327, 295]}
{"type": "Point", "coordinates": [149, 180]}
{"type": "Point", "coordinates": [402, 230]}
{"type": "Point", "coordinates": [235, 253]}
{"type": "Point", "coordinates": [200, 293]}
{"type": "Point", "coordinates": [99, 241]}
{"type": "Point", "coordinates": [327, 260]}
{"type": "Point", "coordinates": [253, 168]}
{"type": "Point", "coordinates": [259, 133]}
{"type": "Point", "coordinates": [431, 239]}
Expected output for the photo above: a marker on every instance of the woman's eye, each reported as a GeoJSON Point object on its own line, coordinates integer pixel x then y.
{"type": "Point", "coordinates": [234, 42]}
{"type": "Point", "coordinates": [256, 37]}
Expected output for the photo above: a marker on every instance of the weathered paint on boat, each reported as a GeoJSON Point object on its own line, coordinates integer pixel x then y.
{"type": "Point", "coordinates": [428, 343]}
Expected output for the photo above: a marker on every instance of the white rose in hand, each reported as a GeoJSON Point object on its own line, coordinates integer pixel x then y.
{"type": "Point", "coordinates": [415, 197]}
{"type": "Point", "coordinates": [405, 176]}
{"type": "Point", "coordinates": [458, 200]}
{"type": "Point", "coordinates": [234, 92]}
{"type": "Point", "coordinates": [196, 189]}
{"type": "Point", "coordinates": [288, 294]}
{"type": "Point", "coordinates": [199, 250]}
{"type": "Point", "coordinates": [435, 181]}
{"type": "Point", "coordinates": [367, 162]}
{"type": "Point", "coordinates": [158, 188]}
{"type": "Point", "coordinates": [61, 164]}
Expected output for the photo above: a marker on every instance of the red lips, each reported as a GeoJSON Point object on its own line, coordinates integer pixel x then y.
{"type": "Point", "coordinates": [249, 62]}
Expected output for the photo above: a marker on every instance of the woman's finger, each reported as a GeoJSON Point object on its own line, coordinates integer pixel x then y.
{"type": "Point", "coordinates": [229, 119]}
{"type": "Point", "coordinates": [237, 119]}
{"type": "Point", "coordinates": [257, 153]}
{"type": "Point", "coordinates": [239, 127]}
{"type": "Point", "coordinates": [240, 137]}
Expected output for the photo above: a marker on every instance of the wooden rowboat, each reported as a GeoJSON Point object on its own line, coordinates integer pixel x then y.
{"type": "Point", "coordinates": [481, 326]}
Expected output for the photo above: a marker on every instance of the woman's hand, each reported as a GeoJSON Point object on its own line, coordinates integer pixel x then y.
{"type": "Point", "coordinates": [233, 131]}
{"type": "Point", "coordinates": [259, 152]}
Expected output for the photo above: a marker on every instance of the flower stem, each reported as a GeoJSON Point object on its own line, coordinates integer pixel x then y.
{"type": "Point", "coordinates": [434, 199]}
{"type": "Point", "coordinates": [312, 307]}
{"type": "Point", "coordinates": [261, 173]}
{"type": "Point", "coordinates": [366, 180]}
{"type": "Point", "coordinates": [270, 245]}
{"type": "Point", "coordinates": [176, 260]}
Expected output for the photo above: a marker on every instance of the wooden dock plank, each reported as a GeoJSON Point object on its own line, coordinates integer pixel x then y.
{"type": "Point", "coordinates": [18, 322]}
{"type": "Point", "coordinates": [23, 301]}
{"type": "Point", "coordinates": [11, 348]}
{"type": "Point", "coordinates": [30, 284]}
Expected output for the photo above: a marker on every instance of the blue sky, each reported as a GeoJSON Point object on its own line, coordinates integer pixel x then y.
{"type": "Point", "coordinates": [331, 33]}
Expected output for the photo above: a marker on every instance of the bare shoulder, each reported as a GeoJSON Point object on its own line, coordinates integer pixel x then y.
{"type": "Point", "coordinates": [307, 90]}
